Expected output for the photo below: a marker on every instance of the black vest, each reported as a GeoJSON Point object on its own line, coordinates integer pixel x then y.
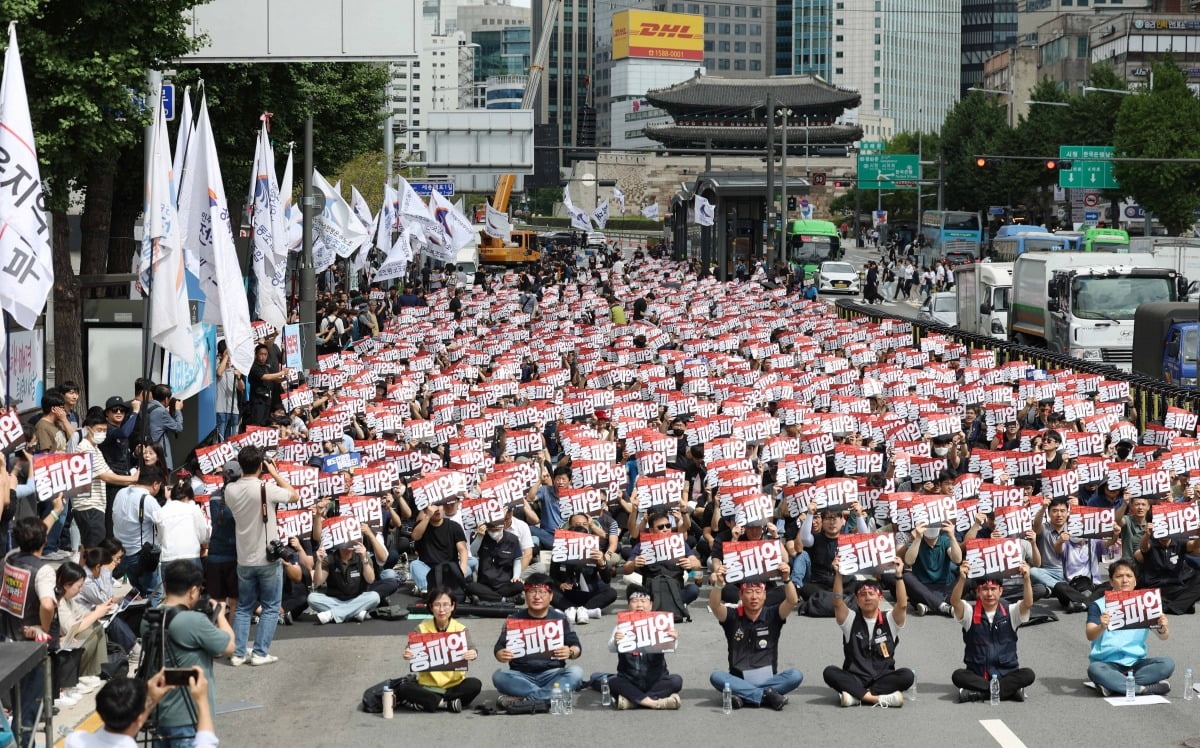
{"type": "Point", "coordinates": [870, 655]}
{"type": "Point", "coordinates": [822, 552]}
{"type": "Point", "coordinates": [990, 648]}
{"type": "Point", "coordinates": [23, 569]}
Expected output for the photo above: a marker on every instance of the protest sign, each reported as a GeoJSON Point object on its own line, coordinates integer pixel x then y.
{"type": "Point", "coordinates": [644, 632]}
{"type": "Point", "coordinates": [1133, 609]}
{"type": "Point", "coordinates": [69, 474]}
{"type": "Point", "coordinates": [524, 637]}
{"type": "Point", "coordinates": [438, 651]}
{"type": "Point", "coordinates": [986, 556]}
{"type": "Point", "coordinates": [1091, 522]}
{"type": "Point", "coordinates": [866, 553]}
{"type": "Point", "coordinates": [751, 560]}
{"type": "Point", "coordinates": [573, 548]}
{"type": "Point", "coordinates": [338, 532]}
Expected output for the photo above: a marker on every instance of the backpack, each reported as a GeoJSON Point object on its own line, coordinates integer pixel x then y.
{"type": "Point", "coordinates": [372, 698]}
{"type": "Point", "coordinates": [666, 594]}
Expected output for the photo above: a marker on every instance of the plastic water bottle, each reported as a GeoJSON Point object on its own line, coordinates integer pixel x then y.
{"type": "Point", "coordinates": [606, 695]}
{"type": "Point", "coordinates": [727, 699]}
{"type": "Point", "coordinates": [389, 702]}
{"type": "Point", "coordinates": [568, 700]}
{"type": "Point", "coordinates": [912, 692]}
{"type": "Point", "coordinates": [556, 700]}
{"type": "Point", "coordinates": [1188, 693]}
{"type": "Point", "coordinates": [1130, 686]}
{"type": "Point", "coordinates": [994, 690]}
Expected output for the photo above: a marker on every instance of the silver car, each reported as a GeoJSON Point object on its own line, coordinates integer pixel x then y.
{"type": "Point", "coordinates": [940, 309]}
{"type": "Point", "coordinates": [837, 277]}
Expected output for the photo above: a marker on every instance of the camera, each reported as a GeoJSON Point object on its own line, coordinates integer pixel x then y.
{"type": "Point", "coordinates": [276, 549]}
{"type": "Point", "coordinates": [333, 508]}
{"type": "Point", "coordinates": [205, 605]}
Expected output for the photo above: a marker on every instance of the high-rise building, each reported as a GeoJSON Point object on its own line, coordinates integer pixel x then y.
{"type": "Point", "coordinates": [566, 82]}
{"type": "Point", "coordinates": [502, 52]}
{"type": "Point", "coordinates": [988, 27]}
{"type": "Point", "coordinates": [1133, 42]}
{"type": "Point", "coordinates": [903, 57]}
{"type": "Point", "coordinates": [440, 78]}
{"type": "Point", "coordinates": [804, 30]}
{"type": "Point", "coordinates": [1033, 13]}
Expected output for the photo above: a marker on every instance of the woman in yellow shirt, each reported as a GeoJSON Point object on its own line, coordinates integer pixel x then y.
{"type": "Point", "coordinates": [431, 690]}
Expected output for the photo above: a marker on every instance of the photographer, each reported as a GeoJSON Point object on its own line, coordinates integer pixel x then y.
{"type": "Point", "coordinates": [260, 576]}
{"type": "Point", "coordinates": [196, 631]}
{"type": "Point", "coordinates": [124, 704]}
{"type": "Point", "coordinates": [135, 514]}
{"type": "Point", "coordinates": [164, 418]}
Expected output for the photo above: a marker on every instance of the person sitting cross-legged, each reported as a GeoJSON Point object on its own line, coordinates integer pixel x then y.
{"type": "Point", "coordinates": [532, 677]}
{"type": "Point", "coordinates": [346, 575]}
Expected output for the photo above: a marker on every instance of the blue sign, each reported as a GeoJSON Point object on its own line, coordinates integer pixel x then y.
{"type": "Point", "coordinates": [168, 100]}
{"type": "Point", "coordinates": [996, 210]}
{"type": "Point", "coordinates": [343, 461]}
{"type": "Point", "coordinates": [425, 189]}
{"type": "Point", "coordinates": [1091, 215]}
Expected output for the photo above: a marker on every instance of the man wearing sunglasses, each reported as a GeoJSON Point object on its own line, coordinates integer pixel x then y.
{"type": "Point", "coordinates": [530, 678]}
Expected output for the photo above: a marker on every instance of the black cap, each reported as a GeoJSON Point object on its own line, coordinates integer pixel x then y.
{"type": "Point", "coordinates": [116, 402]}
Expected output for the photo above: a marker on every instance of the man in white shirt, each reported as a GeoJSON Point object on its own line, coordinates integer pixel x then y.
{"type": "Point", "coordinates": [125, 703]}
{"type": "Point", "coordinates": [260, 581]}
{"type": "Point", "coordinates": [182, 530]}
{"type": "Point", "coordinates": [135, 511]}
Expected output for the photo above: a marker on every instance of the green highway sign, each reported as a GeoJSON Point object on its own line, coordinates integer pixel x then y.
{"type": "Point", "coordinates": [888, 171]}
{"type": "Point", "coordinates": [871, 146]}
{"type": "Point", "coordinates": [1091, 167]}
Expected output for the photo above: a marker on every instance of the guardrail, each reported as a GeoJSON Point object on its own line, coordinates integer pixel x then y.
{"type": "Point", "coordinates": [1150, 396]}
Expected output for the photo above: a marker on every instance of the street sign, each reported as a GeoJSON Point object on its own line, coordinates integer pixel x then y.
{"type": "Point", "coordinates": [1091, 167]}
{"type": "Point", "coordinates": [1091, 217]}
{"type": "Point", "coordinates": [871, 146]}
{"type": "Point", "coordinates": [1091, 199]}
{"type": "Point", "coordinates": [996, 210]}
{"type": "Point", "coordinates": [168, 100]}
{"type": "Point", "coordinates": [879, 171]}
{"type": "Point", "coordinates": [818, 179]}
{"type": "Point", "coordinates": [425, 189]}
{"type": "Point", "coordinates": [1134, 211]}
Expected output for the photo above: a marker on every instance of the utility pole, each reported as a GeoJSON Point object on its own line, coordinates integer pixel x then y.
{"type": "Point", "coordinates": [783, 210]}
{"type": "Point", "coordinates": [769, 203]}
{"type": "Point", "coordinates": [308, 277]}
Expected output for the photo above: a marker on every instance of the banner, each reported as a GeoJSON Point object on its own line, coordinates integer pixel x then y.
{"type": "Point", "coordinates": [12, 433]}
{"type": "Point", "coordinates": [438, 651]}
{"type": "Point", "coordinates": [704, 211]}
{"type": "Point", "coordinates": [984, 556]}
{"type": "Point", "coordinates": [573, 548]}
{"type": "Point", "coordinates": [524, 636]}
{"type": "Point", "coordinates": [292, 354]}
{"type": "Point", "coordinates": [26, 370]}
{"type": "Point", "coordinates": [866, 553]}
{"type": "Point", "coordinates": [26, 268]}
{"type": "Point", "coordinates": [650, 211]}
{"type": "Point", "coordinates": [339, 532]}
{"type": "Point", "coordinates": [1175, 521]}
{"type": "Point", "coordinates": [69, 474]}
{"type": "Point", "coordinates": [1091, 522]}
{"type": "Point", "coordinates": [1133, 609]}
{"type": "Point", "coordinates": [644, 632]}
{"type": "Point", "coordinates": [270, 252]}
{"type": "Point", "coordinates": [340, 230]}
{"type": "Point", "coordinates": [751, 560]}
{"type": "Point", "coordinates": [456, 227]}
{"type": "Point", "coordinates": [660, 547]}
{"type": "Point", "coordinates": [496, 224]}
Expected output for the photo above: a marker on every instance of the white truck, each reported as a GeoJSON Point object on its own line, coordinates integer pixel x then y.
{"type": "Point", "coordinates": [982, 291]}
{"type": "Point", "coordinates": [1082, 304]}
{"type": "Point", "coordinates": [1183, 254]}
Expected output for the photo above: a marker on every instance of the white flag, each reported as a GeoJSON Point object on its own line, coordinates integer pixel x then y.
{"type": "Point", "coordinates": [600, 215]}
{"type": "Point", "coordinates": [620, 198]}
{"type": "Point", "coordinates": [650, 211]}
{"type": "Point", "coordinates": [567, 199]}
{"type": "Point", "coordinates": [580, 219]}
{"type": "Point", "coordinates": [413, 208]}
{"type": "Point", "coordinates": [337, 225]}
{"type": "Point", "coordinates": [270, 235]}
{"type": "Point", "coordinates": [181, 140]}
{"type": "Point", "coordinates": [162, 251]}
{"type": "Point", "coordinates": [362, 211]}
{"type": "Point", "coordinates": [26, 265]}
{"type": "Point", "coordinates": [496, 224]}
{"type": "Point", "coordinates": [705, 213]}
{"type": "Point", "coordinates": [457, 228]}
{"type": "Point", "coordinates": [204, 213]}
{"type": "Point", "coordinates": [396, 264]}
{"type": "Point", "coordinates": [293, 216]}
{"type": "Point", "coordinates": [389, 216]}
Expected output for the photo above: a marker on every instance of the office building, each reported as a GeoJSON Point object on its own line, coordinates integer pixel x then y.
{"type": "Point", "coordinates": [440, 78]}
{"type": "Point", "coordinates": [1133, 42]}
{"type": "Point", "coordinates": [988, 27]}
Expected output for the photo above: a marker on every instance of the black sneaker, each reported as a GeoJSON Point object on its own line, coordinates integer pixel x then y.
{"type": "Point", "coordinates": [737, 702]}
{"type": "Point", "coordinates": [454, 705]}
{"type": "Point", "coordinates": [1162, 688]}
{"type": "Point", "coordinates": [965, 695]}
{"type": "Point", "coordinates": [773, 700]}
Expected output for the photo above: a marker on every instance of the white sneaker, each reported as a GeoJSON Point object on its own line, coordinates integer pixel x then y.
{"type": "Point", "coordinates": [66, 700]}
{"type": "Point", "coordinates": [237, 661]}
{"type": "Point", "coordinates": [581, 616]}
{"type": "Point", "coordinates": [594, 612]}
{"type": "Point", "coordinates": [848, 700]}
{"type": "Point", "coordinates": [895, 699]}
{"type": "Point", "coordinates": [324, 616]}
{"type": "Point", "coordinates": [570, 613]}
{"type": "Point", "coordinates": [89, 679]}
{"type": "Point", "coordinates": [257, 660]}
{"type": "Point", "coordinates": [82, 688]}
{"type": "Point", "coordinates": [360, 616]}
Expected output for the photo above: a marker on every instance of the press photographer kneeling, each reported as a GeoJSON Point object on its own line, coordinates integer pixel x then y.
{"type": "Point", "coordinates": [196, 631]}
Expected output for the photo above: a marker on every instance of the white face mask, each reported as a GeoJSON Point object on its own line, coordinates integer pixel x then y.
{"type": "Point", "coordinates": [932, 532]}
{"type": "Point", "coordinates": [495, 534]}
{"type": "Point", "coordinates": [941, 451]}
{"type": "Point", "coordinates": [99, 436]}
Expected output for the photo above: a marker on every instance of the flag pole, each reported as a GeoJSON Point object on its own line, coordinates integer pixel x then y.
{"type": "Point", "coordinates": [153, 92]}
{"type": "Point", "coordinates": [308, 280]}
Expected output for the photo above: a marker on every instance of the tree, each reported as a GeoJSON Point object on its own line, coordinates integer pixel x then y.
{"type": "Point", "coordinates": [975, 126]}
{"type": "Point", "coordinates": [904, 203]}
{"type": "Point", "coordinates": [1093, 116]}
{"type": "Point", "coordinates": [367, 172]}
{"type": "Point", "coordinates": [1161, 123]}
{"type": "Point", "coordinates": [81, 60]}
{"type": "Point", "coordinates": [1038, 136]}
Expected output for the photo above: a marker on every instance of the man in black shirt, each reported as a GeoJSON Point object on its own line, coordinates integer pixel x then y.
{"type": "Point", "coordinates": [752, 634]}
{"type": "Point", "coordinates": [499, 575]}
{"type": "Point", "coordinates": [440, 543]}
{"type": "Point", "coordinates": [346, 575]}
{"type": "Point", "coordinates": [531, 677]}
{"type": "Point", "coordinates": [263, 378]}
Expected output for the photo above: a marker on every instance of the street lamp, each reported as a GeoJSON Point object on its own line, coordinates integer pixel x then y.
{"type": "Point", "coordinates": [1047, 103]}
{"type": "Point", "coordinates": [1119, 91]}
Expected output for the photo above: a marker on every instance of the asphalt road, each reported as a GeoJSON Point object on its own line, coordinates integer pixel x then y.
{"type": "Point", "coordinates": [311, 696]}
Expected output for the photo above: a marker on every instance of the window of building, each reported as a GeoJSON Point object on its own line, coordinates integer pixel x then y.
{"type": "Point", "coordinates": [416, 123]}
{"type": "Point", "coordinates": [756, 12]}
{"type": "Point", "coordinates": [876, 86]}
{"type": "Point", "coordinates": [693, 8]}
{"type": "Point", "coordinates": [756, 29]}
{"type": "Point", "coordinates": [739, 64]}
{"type": "Point", "coordinates": [709, 28]}
{"type": "Point", "coordinates": [838, 55]}
{"type": "Point", "coordinates": [756, 48]}
{"type": "Point", "coordinates": [722, 46]}
{"type": "Point", "coordinates": [839, 38]}
{"type": "Point", "coordinates": [739, 47]}
{"type": "Point", "coordinates": [875, 104]}
{"type": "Point", "coordinates": [877, 22]}
{"type": "Point", "coordinates": [709, 63]}
{"type": "Point", "coordinates": [877, 38]}
{"type": "Point", "coordinates": [710, 10]}
{"type": "Point", "coordinates": [416, 76]}
{"type": "Point", "coordinates": [838, 22]}
{"type": "Point", "coordinates": [739, 29]}
{"type": "Point", "coordinates": [708, 45]}
{"type": "Point", "coordinates": [723, 28]}
{"type": "Point", "coordinates": [740, 11]}
{"type": "Point", "coordinates": [724, 11]}
{"type": "Point", "coordinates": [722, 64]}
{"type": "Point", "coordinates": [877, 55]}
{"type": "Point", "coordinates": [756, 65]}
{"type": "Point", "coordinates": [876, 71]}
{"type": "Point", "coordinates": [676, 7]}
{"type": "Point", "coordinates": [1082, 49]}
{"type": "Point", "coordinates": [837, 71]}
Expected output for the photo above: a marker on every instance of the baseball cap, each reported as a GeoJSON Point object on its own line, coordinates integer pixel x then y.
{"type": "Point", "coordinates": [116, 402]}
{"type": "Point", "coordinates": [231, 471]}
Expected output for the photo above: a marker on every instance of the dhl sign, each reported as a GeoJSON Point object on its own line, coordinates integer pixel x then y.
{"type": "Point", "coordinates": [658, 36]}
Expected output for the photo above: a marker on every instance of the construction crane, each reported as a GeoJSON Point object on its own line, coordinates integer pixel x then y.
{"type": "Point", "coordinates": [522, 246]}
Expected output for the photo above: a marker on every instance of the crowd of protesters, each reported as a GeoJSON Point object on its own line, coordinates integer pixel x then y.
{"type": "Point", "coordinates": [454, 436]}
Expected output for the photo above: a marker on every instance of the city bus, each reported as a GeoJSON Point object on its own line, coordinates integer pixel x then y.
{"type": "Point", "coordinates": [955, 235]}
{"type": "Point", "coordinates": [809, 243]}
{"type": "Point", "coordinates": [1106, 240]}
{"type": "Point", "coordinates": [1011, 241]}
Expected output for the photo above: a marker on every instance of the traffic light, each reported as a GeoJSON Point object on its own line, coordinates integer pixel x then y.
{"type": "Point", "coordinates": [982, 162]}
{"type": "Point", "coordinates": [791, 202]}
{"type": "Point", "coordinates": [1056, 165]}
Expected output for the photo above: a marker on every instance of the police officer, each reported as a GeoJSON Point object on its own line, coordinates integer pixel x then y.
{"type": "Point", "coordinates": [990, 635]}
{"type": "Point", "coordinates": [869, 674]}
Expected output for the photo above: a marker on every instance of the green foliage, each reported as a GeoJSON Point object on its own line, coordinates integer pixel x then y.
{"type": "Point", "coordinates": [543, 199]}
{"type": "Point", "coordinates": [345, 101]}
{"type": "Point", "coordinates": [367, 172]}
{"type": "Point", "coordinates": [81, 60]}
{"type": "Point", "coordinates": [975, 126]}
{"type": "Point", "coordinates": [1161, 124]}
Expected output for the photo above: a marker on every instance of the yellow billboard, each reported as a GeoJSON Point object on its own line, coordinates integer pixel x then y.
{"type": "Point", "coordinates": [653, 35]}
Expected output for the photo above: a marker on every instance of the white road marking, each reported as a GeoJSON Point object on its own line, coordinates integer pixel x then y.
{"type": "Point", "coordinates": [1000, 732]}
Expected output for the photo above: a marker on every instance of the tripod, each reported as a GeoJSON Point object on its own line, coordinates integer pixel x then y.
{"type": "Point", "coordinates": [156, 655]}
